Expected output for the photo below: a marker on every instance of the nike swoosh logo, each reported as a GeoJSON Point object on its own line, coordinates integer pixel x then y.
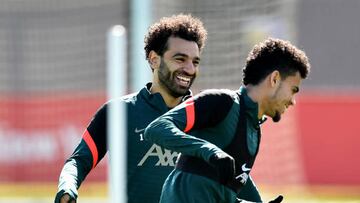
{"type": "Point", "coordinates": [243, 168]}
{"type": "Point", "coordinates": [139, 130]}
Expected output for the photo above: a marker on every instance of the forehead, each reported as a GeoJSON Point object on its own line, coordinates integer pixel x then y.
{"type": "Point", "coordinates": [179, 45]}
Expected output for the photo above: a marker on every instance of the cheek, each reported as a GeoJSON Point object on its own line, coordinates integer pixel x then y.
{"type": "Point", "coordinates": [170, 65]}
{"type": "Point", "coordinates": [279, 97]}
{"type": "Point", "coordinates": [284, 96]}
{"type": "Point", "coordinates": [279, 102]}
{"type": "Point", "coordinates": [196, 71]}
{"type": "Point", "coordinates": [274, 106]}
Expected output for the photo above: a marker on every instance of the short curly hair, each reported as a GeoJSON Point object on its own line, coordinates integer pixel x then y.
{"type": "Point", "coordinates": [184, 26]}
{"type": "Point", "coordinates": [274, 54]}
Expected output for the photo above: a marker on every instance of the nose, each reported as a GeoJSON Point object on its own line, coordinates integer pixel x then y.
{"type": "Point", "coordinates": [293, 101]}
{"type": "Point", "coordinates": [190, 68]}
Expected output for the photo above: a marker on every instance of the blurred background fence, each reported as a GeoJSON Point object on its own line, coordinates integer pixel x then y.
{"type": "Point", "coordinates": [52, 80]}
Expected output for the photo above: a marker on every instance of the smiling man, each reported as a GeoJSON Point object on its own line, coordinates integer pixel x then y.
{"type": "Point", "coordinates": [172, 46]}
{"type": "Point", "coordinates": [218, 131]}
{"type": "Point", "coordinates": [175, 71]}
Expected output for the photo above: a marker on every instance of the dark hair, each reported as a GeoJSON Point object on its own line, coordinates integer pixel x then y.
{"type": "Point", "coordinates": [274, 54]}
{"type": "Point", "coordinates": [183, 26]}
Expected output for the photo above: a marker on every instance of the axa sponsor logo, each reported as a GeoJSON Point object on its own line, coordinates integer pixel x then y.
{"type": "Point", "coordinates": [165, 157]}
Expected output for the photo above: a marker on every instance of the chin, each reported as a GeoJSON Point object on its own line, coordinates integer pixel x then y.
{"type": "Point", "coordinates": [179, 92]}
{"type": "Point", "coordinates": [276, 117]}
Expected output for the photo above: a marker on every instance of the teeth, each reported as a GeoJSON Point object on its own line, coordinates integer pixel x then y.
{"type": "Point", "coordinates": [184, 78]}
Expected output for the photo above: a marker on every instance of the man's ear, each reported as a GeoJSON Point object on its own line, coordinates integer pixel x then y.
{"type": "Point", "coordinates": [154, 60]}
{"type": "Point", "coordinates": [275, 78]}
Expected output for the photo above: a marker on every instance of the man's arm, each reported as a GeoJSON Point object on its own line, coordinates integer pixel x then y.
{"type": "Point", "coordinates": [74, 171]}
{"type": "Point", "coordinates": [170, 129]}
{"type": "Point", "coordinates": [250, 192]}
{"type": "Point", "coordinates": [173, 129]}
{"type": "Point", "coordinates": [86, 156]}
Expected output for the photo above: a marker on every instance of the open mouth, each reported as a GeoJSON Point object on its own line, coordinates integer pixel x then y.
{"type": "Point", "coordinates": [183, 80]}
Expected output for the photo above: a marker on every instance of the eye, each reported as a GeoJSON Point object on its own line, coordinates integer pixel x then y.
{"type": "Point", "coordinates": [196, 63]}
{"type": "Point", "coordinates": [295, 90]}
{"type": "Point", "coordinates": [180, 60]}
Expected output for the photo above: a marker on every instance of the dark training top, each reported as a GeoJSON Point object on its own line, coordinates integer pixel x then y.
{"type": "Point", "coordinates": [148, 163]}
{"type": "Point", "coordinates": [200, 127]}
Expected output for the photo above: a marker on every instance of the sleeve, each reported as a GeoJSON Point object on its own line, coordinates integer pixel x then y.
{"type": "Point", "coordinates": [91, 149]}
{"type": "Point", "coordinates": [250, 192]}
{"type": "Point", "coordinates": [172, 130]}
{"type": "Point", "coordinates": [209, 108]}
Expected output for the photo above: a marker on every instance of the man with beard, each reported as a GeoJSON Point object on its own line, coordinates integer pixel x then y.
{"type": "Point", "coordinates": [173, 46]}
{"type": "Point", "coordinates": [217, 132]}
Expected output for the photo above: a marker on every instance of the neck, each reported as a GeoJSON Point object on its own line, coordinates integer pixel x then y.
{"type": "Point", "coordinates": [170, 100]}
{"type": "Point", "coordinates": [256, 94]}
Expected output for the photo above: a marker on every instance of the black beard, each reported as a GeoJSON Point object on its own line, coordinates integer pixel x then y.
{"type": "Point", "coordinates": [277, 117]}
{"type": "Point", "coordinates": [167, 81]}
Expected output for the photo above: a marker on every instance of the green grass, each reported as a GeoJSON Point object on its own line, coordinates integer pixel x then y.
{"type": "Point", "coordinates": [97, 192]}
{"type": "Point", "coordinates": [314, 193]}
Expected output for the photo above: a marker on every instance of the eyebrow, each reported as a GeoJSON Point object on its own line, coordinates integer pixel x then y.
{"type": "Point", "coordinates": [184, 55]}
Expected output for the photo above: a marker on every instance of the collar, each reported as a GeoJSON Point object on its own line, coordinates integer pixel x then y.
{"type": "Point", "coordinates": [156, 100]}
{"type": "Point", "coordinates": [252, 108]}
